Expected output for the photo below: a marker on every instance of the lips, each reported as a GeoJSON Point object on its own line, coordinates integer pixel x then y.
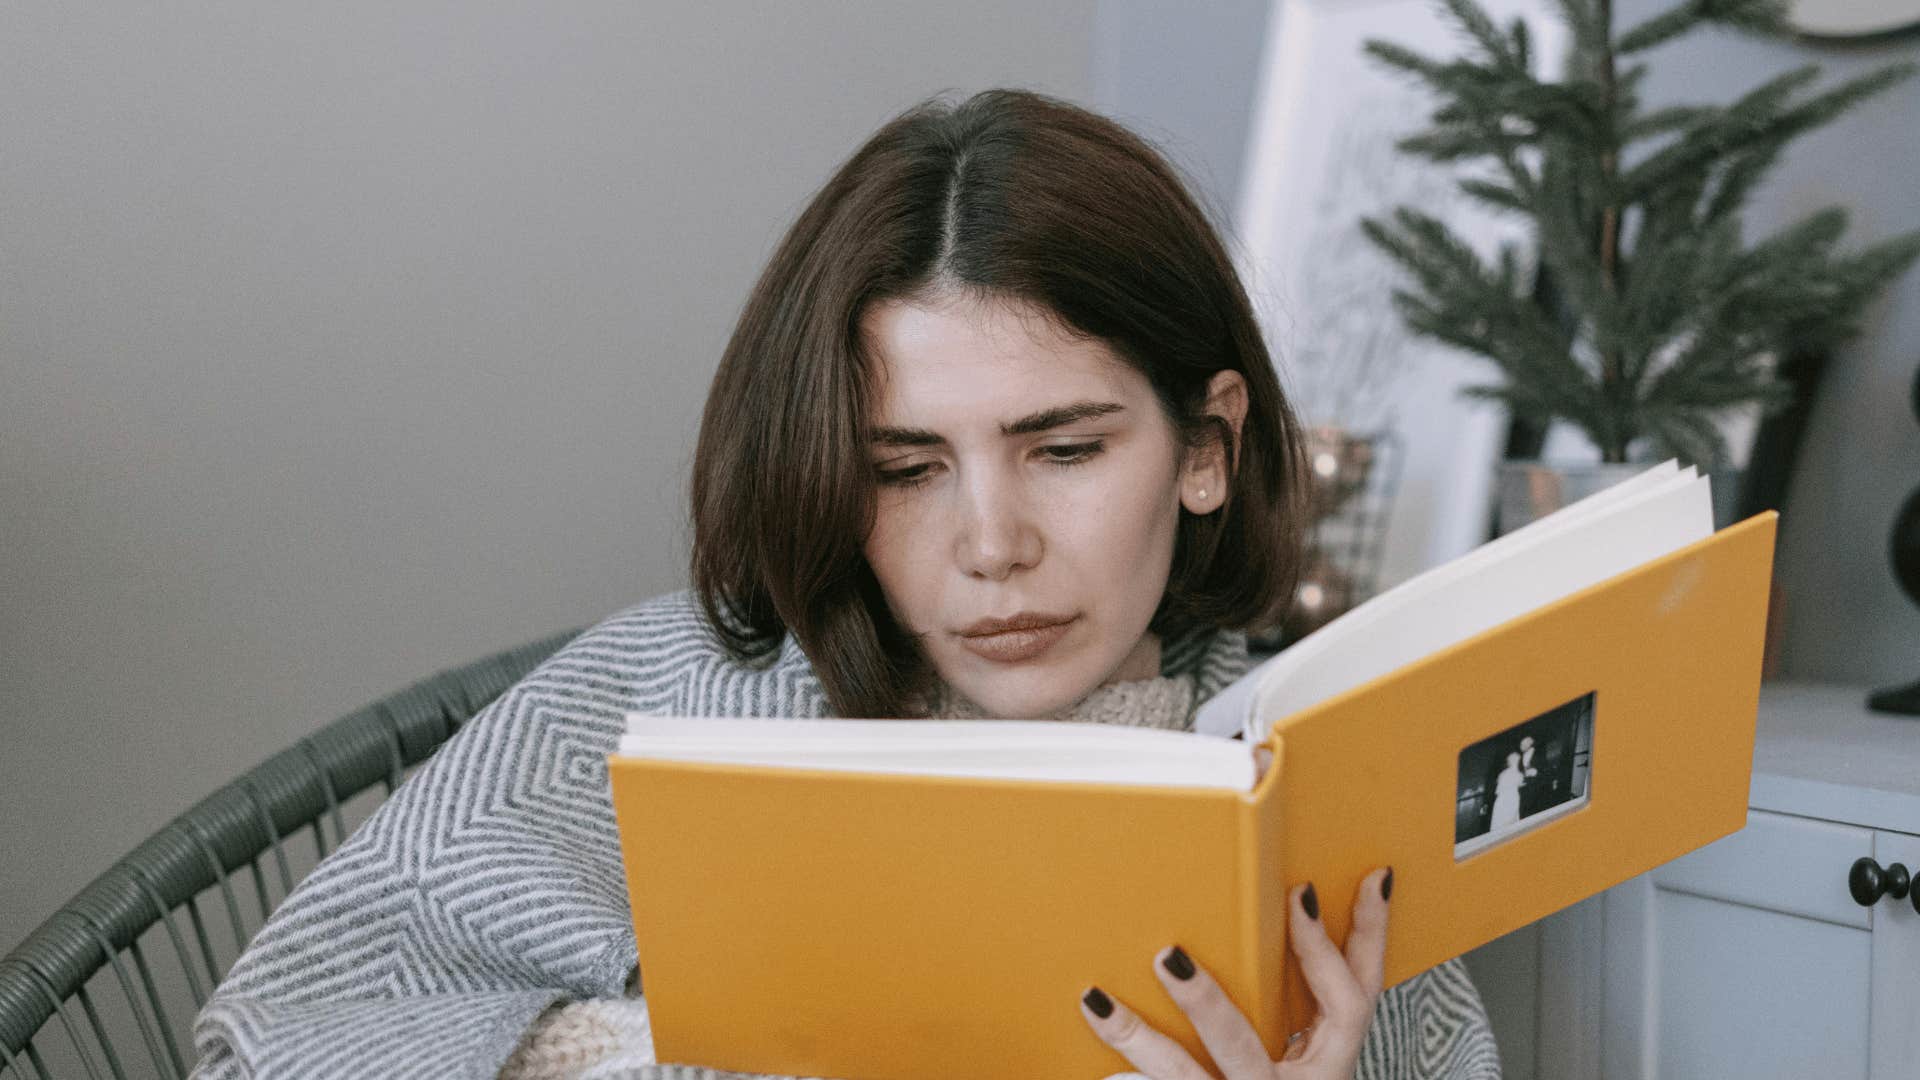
{"type": "Point", "coordinates": [1022, 637]}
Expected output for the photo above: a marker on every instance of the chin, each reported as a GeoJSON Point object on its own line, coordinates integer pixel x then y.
{"type": "Point", "coordinates": [1034, 695]}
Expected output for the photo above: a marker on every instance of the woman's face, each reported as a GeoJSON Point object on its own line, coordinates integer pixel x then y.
{"type": "Point", "coordinates": [1025, 475]}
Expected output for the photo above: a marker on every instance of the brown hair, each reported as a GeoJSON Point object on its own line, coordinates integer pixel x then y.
{"type": "Point", "coordinates": [1011, 195]}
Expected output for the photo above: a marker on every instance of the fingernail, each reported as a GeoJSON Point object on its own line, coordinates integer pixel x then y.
{"type": "Point", "coordinates": [1386, 885]}
{"type": "Point", "coordinates": [1179, 963]}
{"type": "Point", "coordinates": [1100, 1003]}
{"type": "Point", "coordinates": [1311, 902]}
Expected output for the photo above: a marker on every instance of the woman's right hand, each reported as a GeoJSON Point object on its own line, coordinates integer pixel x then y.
{"type": "Point", "coordinates": [1345, 986]}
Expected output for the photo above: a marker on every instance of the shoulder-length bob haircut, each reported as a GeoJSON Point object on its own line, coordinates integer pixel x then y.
{"type": "Point", "coordinates": [1011, 195]}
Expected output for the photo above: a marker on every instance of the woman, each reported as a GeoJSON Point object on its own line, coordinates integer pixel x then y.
{"type": "Point", "coordinates": [995, 435]}
{"type": "Point", "coordinates": [1506, 794]}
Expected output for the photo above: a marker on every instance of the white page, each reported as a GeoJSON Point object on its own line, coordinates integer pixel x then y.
{"type": "Point", "coordinates": [1008, 749]}
{"type": "Point", "coordinates": [1607, 533]}
{"type": "Point", "coordinates": [1580, 519]}
{"type": "Point", "coordinates": [1595, 550]}
{"type": "Point", "coordinates": [1232, 708]}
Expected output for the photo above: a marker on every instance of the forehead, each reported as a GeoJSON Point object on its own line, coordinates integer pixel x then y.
{"type": "Point", "coordinates": [965, 357]}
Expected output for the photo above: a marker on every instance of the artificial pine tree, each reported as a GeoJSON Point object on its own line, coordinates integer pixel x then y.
{"type": "Point", "coordinates": [1657, 316]}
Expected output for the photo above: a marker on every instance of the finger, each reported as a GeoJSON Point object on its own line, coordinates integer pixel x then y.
{"type": "Point", "coordinates": [1146, 1049]}
{"type": "Point", "coordinates": [1334, 988]}
{"type": "Point", "coordinates": [1367, 942]}
{"type": "Point", "coordinates": [1300, 1041]}
{"type": "Point", "coordinates": [1235, 1046]}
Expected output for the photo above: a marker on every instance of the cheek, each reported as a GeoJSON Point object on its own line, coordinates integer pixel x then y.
{"type": "Point", "coordinates": [1120, 531]}
{"type": "Point", "coordinates": [900, 552]}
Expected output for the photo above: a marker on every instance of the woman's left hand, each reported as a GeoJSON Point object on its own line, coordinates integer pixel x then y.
{"type": "Point", "coordinates": [1345, 987]}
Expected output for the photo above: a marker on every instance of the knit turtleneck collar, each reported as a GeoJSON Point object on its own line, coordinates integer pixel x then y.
{"type": "Point", "coordinates": [1163, 702]}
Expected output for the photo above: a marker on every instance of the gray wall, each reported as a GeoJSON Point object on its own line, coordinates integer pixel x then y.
{"type": "Point", "coordinates": [342, 343]}
{"type": "Point", "coordinates": [1184, 75]}
{"type": "Point", "coordinates": [1845, 619]}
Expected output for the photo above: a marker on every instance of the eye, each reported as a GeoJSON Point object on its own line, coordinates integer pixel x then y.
{"type": "Point", "coordinates": [1073, 453]}
{"type": "Point", "coordinates": [1066, 455]}
{"type": "Point", "coordinates": [910, 477]}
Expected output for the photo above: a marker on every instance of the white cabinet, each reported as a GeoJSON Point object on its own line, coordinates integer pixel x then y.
{"type": "Point", "coordinates": [1895, 1027]}
{"type": "Point", "coordinates": [1748, 958]}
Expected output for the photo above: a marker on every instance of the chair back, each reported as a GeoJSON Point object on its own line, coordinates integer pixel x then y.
{"type": "Point", "coordinates": [140, 928]}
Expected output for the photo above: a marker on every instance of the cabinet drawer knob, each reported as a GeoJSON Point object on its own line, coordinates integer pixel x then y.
{"type": "Point", "coordinates": [1868, 882]}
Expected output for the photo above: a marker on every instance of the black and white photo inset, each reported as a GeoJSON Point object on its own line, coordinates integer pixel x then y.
{"type": "Point", "coordinates": [1531, 773]}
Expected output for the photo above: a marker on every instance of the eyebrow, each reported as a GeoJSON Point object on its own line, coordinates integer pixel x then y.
{"type": "Point", "coordinates": [1044, 420]}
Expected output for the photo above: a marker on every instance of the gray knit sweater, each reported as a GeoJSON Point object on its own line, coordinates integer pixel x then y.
{"type": "Point", "coordinates": [489, 886]}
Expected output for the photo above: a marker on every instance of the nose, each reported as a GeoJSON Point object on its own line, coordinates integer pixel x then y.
{"type": "Point", "coordinates": [997, 532]}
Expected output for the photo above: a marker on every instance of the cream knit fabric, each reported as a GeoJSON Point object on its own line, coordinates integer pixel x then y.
{"type": "Point", "coordinates": [1162, 702]}
{"type": "Point", "coordinates": [600, 1038]}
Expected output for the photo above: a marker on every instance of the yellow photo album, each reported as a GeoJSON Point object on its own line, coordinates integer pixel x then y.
{"type": "Point", "coordinates": [1557, 711]}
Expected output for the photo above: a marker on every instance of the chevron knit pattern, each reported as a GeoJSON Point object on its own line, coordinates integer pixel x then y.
{"type": "Point", "coordinates": [489, 886]}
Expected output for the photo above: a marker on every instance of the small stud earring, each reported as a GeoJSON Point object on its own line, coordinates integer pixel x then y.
{"type": "Point", "coordinates": [1203, 493]}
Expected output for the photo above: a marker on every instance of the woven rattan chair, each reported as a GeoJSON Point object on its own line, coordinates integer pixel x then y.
{"type": "Point", "coordinates": [195, 860]}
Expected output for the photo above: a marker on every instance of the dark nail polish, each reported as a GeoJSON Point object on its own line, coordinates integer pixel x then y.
{"type": "Point", "coordinates": [1310, 902]}
{"type": "Point", "coordinates": [1099, 1002]}
{"type": "Point", "coordinates": [1179, 963]}
{"type": "Point", "coordinates": [1386, 885]}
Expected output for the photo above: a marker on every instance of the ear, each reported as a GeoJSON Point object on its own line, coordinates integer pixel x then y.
{"type": "Point", "coordinates": [1206, 473]}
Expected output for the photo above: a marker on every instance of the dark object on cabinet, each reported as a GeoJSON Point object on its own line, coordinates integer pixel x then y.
{"type": "Point", "coordinates": [1903, 549]}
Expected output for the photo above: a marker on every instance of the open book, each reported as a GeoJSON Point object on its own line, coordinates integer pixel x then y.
{"type": "Point", "coordinates": [1554, 712]}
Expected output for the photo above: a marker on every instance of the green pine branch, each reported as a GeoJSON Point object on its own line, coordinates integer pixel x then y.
{"type": "Point", "coordinates": [1669, 316]}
